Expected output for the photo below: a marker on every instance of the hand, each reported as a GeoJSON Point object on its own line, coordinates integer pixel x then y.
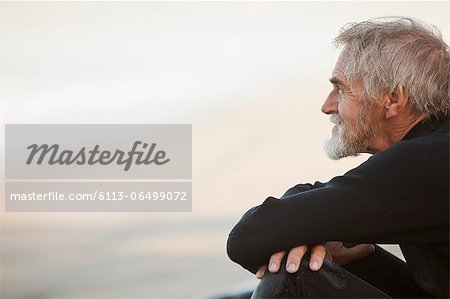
{"type": "Point", "coordinates": [295, 255]}
{"type": "Point", "coordinates": [331, 250]}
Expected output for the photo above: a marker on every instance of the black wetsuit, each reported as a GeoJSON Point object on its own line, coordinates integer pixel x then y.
{"type": "Point", "coordinates": [398, 196]}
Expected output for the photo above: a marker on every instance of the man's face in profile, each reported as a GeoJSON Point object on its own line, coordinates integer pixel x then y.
{"type": "Point", "coordinates": [356, 118]}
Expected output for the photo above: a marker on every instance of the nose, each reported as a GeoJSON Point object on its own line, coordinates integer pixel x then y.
{"type": "Point", "coordinates": [330, 105]}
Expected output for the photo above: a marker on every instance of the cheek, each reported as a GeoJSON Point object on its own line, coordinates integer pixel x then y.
{"type": "Point", "coordinates": [348, 112]}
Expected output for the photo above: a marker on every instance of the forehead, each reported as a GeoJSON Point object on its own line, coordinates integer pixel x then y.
{"type": "Point", "coordinates": [341, 63]}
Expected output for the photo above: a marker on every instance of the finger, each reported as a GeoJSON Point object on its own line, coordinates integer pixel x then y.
{"type": "Point", "coordinates": [318, 253]}
{"type": "Point", "coordinates": [294, 257]}
{"type": "Point", "coordinates": [275, 261]}
{"type": "Point", "coordinates": [261, 271]}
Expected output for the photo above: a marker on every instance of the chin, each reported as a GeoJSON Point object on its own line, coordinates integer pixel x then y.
{"type": "Point", "coordinates": [336, 149]}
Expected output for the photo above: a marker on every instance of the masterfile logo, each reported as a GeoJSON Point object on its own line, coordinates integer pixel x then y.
{"type": "Point", "coordinates": [99, 168]}
{"type": "Point", "coordinates": [91, 157]}
{"type": "Point", "coordinates": [106, 151]}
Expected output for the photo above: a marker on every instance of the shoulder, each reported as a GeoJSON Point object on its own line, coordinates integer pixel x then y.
{"type": "Point", "coordinates": [420, 164]}
{"type": "Point", "coordinates": [428, 146]}
{"type": "Point", "coordinates": [414, 168]}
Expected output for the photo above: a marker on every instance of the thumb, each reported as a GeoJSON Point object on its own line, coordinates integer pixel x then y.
{"type": "Point", "coordinates": [362, 250]}
{"type": "Point", "coordinates": [348, 255]}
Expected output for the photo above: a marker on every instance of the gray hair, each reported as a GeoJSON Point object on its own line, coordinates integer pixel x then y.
{"type": "Point", "coordinates": [390, 52]}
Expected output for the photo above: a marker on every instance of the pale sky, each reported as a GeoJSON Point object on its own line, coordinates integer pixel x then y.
{"type": "Point", "coordinates": [169, 61]}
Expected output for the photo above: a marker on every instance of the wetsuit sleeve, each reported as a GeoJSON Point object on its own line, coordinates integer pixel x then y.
{"type": "Point", "coordinates": [398, 196]}
{"type": "Point", "coordinates": [302, 188]}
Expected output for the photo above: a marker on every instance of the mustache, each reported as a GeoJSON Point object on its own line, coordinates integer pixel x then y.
{"type": "Point", "coordinates": [336, 119]}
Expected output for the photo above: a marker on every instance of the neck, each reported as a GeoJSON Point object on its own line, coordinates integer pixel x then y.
{"type": "Point", "coordinates": [393, 131]}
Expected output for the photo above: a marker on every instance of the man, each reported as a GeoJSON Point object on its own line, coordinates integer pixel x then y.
{"type": "Point", "coordinates": [390, 98]}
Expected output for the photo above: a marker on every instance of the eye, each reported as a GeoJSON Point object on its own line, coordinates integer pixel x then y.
{"type": "Point", "coordinates": [339, 90]}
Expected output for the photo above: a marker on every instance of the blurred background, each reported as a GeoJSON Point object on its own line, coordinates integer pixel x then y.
{"type": "Point", "coordinates": [249, 76]}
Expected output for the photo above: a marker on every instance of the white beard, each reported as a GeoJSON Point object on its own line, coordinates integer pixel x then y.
{"type": "Point", "coordinates": [336, 148]}
{"type": "Point", "coordinates": [340, 145]}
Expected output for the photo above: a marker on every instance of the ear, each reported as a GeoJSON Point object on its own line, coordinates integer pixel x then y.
{"type": "Point", "coordinates": [396, 102]}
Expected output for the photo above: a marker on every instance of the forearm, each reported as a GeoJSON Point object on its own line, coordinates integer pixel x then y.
{"type": "Point", "coordinates": [314, 217]}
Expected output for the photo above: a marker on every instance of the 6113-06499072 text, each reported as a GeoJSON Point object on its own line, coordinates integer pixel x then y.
{"type": "Point", "coordinates": [101, 195]}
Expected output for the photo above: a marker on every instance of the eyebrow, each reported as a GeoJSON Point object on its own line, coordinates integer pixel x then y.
{"type": "Point", "coordinates": [336, 81]}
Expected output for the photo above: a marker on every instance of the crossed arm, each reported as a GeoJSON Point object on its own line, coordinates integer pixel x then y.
{"type": "Point", "coordinates": [377, 202]}
{"type": "Point", "coordinates": [335, 251]}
